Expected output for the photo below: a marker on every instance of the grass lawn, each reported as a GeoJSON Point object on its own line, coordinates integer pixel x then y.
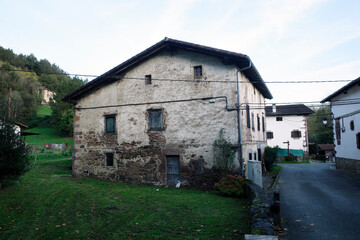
{"type": "Point", "coordinates": [47, 203]}
{"type": "Point", "coordinates": [44, 111]}
{"type": "Point", "coordinates": [48, 135]}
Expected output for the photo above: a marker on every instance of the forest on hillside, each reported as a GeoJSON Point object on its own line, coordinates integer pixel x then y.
{"type": "Point", "coordinates": [27, 76]}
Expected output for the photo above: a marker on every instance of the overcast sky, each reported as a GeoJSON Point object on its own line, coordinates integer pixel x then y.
{"type": "Point", "coordinates": [288, 40]}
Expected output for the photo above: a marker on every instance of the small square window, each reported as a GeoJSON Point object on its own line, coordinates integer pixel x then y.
{"type": "Point", "coordinates": [198, 72]}
{"type": "Point", "coordinates": [147, 79]}
{"type": "Point", "coordinates": [279, 119]}
{"type": "Point", "coordinates": [296, 134]}
{"type": "Point", "coordinates": [110, 124]}
{"type": "Point", "coordinates": [269, 135]}
{"type": "Point", "coordinates": [109, 159]}
{"type": "Point", "coordinates": [155, 120]}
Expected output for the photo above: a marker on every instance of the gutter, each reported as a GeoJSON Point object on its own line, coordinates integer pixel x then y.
{"type": "Point", "coordinates": [240, 149]}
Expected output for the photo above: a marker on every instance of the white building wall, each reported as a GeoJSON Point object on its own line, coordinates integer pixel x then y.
{"type": "Point", "coordinates": [341, 106]}
{"type": "Point", "coordinates": [282, 132]}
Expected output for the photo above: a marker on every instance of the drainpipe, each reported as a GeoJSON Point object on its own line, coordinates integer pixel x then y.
{"type": "Point", "coordinates": [240, 149]}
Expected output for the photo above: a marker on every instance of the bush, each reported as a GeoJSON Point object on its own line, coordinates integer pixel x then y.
{"type": "Point", "coordinates": [231, 186]}
{"type": "Point", "coordinates": [224, 154]}
{"type": "Point", "coordinates": [290, 158]}
{"type": "Point", "coordinates": [270, 156]}
{"type": "Point", "coordinates": [14, 158]}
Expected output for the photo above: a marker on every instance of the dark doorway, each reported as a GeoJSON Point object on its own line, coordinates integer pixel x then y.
{"type": "Point", "coordinates": [172, 170]}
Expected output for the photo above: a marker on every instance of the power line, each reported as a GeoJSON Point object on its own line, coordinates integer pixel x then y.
{"type": "Point", "coordinates": [183, 80]}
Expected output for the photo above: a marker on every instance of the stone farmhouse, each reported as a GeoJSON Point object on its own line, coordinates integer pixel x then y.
{"type": "Point", "coordinates": [154, 118]}
{"type": "Point", "coordinates": [345, 109]}
{"type": "Point", "coordinates": [287, 128]}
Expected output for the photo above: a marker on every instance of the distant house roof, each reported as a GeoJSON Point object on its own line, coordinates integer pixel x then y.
{"type": "Point", "coordinates": [341, 90]}
{"type": "Point", "coordinates": [283, 110]}
{"type": "Point", "coordinates": [22, 126]}
{"type": "Point", "coordinates": [326, 147]}
{"type": "Point", "coordinates": [112, 75]}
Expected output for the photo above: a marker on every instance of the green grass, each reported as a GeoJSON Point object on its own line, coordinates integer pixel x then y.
{"type": "Point", "coordinates": [47, 203]}
{"type": "Point", "coordinates": [44, 111]}
{"type": "Point", "coordinates": [48, 135]}
{"type": "Point", "coordinates": [276, 169]}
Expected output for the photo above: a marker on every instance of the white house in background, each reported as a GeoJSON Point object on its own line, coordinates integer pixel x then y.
{"type": "Point", "coordinates": [47, 95]}
{"type": "Point", "coordinates": [345, 108]}
{"type": "Point", "coordinates": [287, 124]}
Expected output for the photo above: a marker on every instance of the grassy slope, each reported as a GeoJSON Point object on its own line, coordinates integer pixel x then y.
{"type": "Point", "coordinates": [49, 204]}
{"type": "Point", "coordinates": [48, 135]}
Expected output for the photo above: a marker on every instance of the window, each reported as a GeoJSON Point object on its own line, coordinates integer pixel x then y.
{"type": "Point", "coordinates": [109, 159]}
{"type": "Point", "coordinates": [252, 122]}
{"type": "Point", "coordinates": [147, 79]}
{"type": "Point", "coordinates": [155, 120]}
{"type": "Point", "coordinates": [338, 131]}
{"type": "Point", "coordinates": [198, 71]}
{"type": "Point", "coordinates": [279, 119]}
{"type": "Point", "coordinates": [263, 124]}
{"type": "Point", "coordinates": [250, 155]}
{"type": "Point", "coordinates": [269, 135]}
{"type": "Point", "coordinates": [358, 140]}
{"type": "Point", "coordinates": [110, 124]}
{"type": "Point", "coordinates": [258, 123]}
{"type": "Point", "coordinates": [255, 156]}
{"type": "Point", "coordinates": [352, 126]}
{"type": "Point", "coordinates": [248, 115]}
{"type": "Point", "coordinates": [296, 134]}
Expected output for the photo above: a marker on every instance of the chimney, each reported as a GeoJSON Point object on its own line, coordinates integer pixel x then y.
{"type": "Point", "coordinates": [274, 108]}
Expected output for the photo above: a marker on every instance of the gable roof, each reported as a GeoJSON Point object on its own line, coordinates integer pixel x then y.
{"type": "Point", "coordinates": [341, 90]}
{"type": "Point", "coordinates": [286, 110]}
{"type": "Point", "coordinates": [239, 59]}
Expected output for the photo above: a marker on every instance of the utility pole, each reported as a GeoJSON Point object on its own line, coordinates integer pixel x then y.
{"type": "Point", "coordinates": [288, 147]}
{"type": "Point", "coordinates": [9, 103]}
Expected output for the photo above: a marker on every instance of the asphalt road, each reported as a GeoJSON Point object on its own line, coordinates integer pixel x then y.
{"type": "Point", "coordinates": [319, 202]}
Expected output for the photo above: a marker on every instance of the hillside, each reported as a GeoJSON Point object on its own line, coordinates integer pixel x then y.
{"type": "Point", "coordinates": [27, 76]}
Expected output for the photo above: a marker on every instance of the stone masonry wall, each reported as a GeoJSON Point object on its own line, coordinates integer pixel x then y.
{"type": "Point", "coordinates": [190, 128]}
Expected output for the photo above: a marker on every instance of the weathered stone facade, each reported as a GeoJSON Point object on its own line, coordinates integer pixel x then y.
{"type": "Point", "coordinates": [189, 127]}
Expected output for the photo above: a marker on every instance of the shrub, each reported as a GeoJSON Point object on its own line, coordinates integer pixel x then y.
{"type": "Point", "coordinates": [270, 156]}
{"type": "Point", "coordinates": [231, 186]}
{"type": "Point", "coordinates": [224, 154]}
{"type": "Point", "coordinates": [14, 159]}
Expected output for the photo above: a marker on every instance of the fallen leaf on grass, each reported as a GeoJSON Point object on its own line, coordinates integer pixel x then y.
{"type": "Point", "coordinates": [198, 230]}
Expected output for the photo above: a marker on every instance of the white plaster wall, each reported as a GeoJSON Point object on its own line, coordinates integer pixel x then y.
{"type": "Point", "coordinates": [282, 132]}
{"type": "Point", "coordinates": [194, 125]}
{"type": "Point", "coordinates": [347, 148]}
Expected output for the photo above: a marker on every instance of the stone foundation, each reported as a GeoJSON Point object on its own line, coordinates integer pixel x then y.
{"type": "Point", "coordinates": [348, 164]}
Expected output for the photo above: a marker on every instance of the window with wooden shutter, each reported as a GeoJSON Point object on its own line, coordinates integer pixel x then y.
{"type": "Point", "coordinates": [248, 115]}
{"type": "Point", "coordinates": [110, 122]}
{"type": "Point", "coordinates": [155, 120]}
